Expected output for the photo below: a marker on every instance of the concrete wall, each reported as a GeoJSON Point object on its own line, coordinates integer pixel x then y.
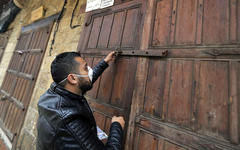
{"type": "Point", "coordinates": [66, 40]}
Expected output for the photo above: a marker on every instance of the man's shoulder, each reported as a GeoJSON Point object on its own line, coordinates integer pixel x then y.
{"type": "Point", "coordinates": [49, 99]}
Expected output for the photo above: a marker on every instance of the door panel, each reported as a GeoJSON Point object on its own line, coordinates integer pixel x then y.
{"type": "Point", "coordinates": [216, 22]}
{"type": "Point", "coordinates": [188, 100]}
{"type": "Point", "coordinates": [18, 84]}
{"type": "Point", "coordinates": [190, 22]}
{"type": "Point", "coordinates": [116, 27]}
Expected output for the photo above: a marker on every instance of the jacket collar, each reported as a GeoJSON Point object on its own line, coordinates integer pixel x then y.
{"type": "Point", "coordinates": [65, 93]}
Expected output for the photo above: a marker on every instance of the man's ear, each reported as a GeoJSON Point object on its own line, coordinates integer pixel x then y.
{"type": "Point", "coordinates": [72, 79]}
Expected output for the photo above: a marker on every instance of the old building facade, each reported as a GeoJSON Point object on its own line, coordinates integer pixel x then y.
{"type": "Point", "coordinates": [177, 80]}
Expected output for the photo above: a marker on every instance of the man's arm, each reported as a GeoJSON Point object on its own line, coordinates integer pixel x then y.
{"type": "Point", "coordinates": [87, 138]}
{"type": "Point", "coordinates": [102, 65]}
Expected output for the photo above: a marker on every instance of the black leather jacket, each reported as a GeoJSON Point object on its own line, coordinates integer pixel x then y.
{"type": "Point", "coordinates": [66, 122]}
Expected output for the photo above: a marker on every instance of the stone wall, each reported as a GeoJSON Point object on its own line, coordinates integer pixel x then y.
{"type": "Point", "coordinates": [66, 40]}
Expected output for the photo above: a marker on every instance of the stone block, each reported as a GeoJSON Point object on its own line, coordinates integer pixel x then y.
{"type": "Point", "coordinates": [26, 142]}
{"type": "Point", "coordinates": [31, 119]}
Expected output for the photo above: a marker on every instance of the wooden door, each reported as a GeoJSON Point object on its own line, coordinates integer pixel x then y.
{"type": "Point", "coordinates": [105, 30]}
{"type": "Point", "coordinates": [190, 100]}
{"type": "Point", "coordinates": [184, 92]}
{"type": "Point", "coordinates": [18, 84]}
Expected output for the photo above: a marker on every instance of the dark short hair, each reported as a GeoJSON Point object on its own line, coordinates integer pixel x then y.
{"type": "Point", "coordinates": [63, 65]}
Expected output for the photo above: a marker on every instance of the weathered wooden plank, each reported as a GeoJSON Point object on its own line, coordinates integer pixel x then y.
{"type": "Point", "coordinates": [96, 28]}
{"type": "Point", "coordinates": [199, 22]}
{"type": "Point", "coordinates": [173, 22]}
{"type": "Point", "coordinates": [21, 74]}
{"type": "Point", "coordinates": [117, 29]}
{"type": "Point", "coordinates": [238, 21]}
{"type": "Point", "coordinates": [216, 22]}
{"type": "Point", "coordinates": [183, 138]}
{"type": "Point", "coordinates": [234, 102]}
{"type": "Point", "coordinates": [161, 31]}
{"type": "Point", "coordinates": [155, 87]}
{"type": "Point", "coordinates": [137, 100]}
{"type": "Point", "coordinates": [179, 101]}
{"type": "Point", "coordinates": [213, 109]}
{"type": "Point", "coordinates": [195, 94]}
{"type": "Point", "coordinates": [131, 28]}
{"type": "Point", "coordinates": [124, 82]}
{"type": "Point", "coordinates": [107, 78]}
{"type": "Point", "coordinates": [166, 89]}
{"type": "Point", "coordinates": [186, 22]}
{"type": "Point", "coordinates": [233, 21]}
{"type": "Point", "coordinates": [105, 31]}
{"type": "Point", "coordinates": [147, 141]}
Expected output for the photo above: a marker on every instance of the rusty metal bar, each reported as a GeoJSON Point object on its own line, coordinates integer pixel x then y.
{"type": "Point", "coordinates": [21, 74]}
{"type": "Point", "coordinates": [144, 53]}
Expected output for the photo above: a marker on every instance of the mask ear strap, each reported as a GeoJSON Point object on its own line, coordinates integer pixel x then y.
{"type": "Point", "coordinates": [62, 81]}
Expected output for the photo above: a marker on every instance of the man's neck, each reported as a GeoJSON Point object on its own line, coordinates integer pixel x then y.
{"type": "Point", "coordinates": [73, 89]}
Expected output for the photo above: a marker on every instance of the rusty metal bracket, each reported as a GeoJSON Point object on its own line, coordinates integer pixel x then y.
{"type": "Point", "coordinates": [143, 53]}
{"type": "Point", "coordinates": [146, 53]}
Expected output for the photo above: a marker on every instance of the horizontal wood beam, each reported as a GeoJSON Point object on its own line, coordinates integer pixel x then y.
{"type": "Point", "coordinates": [21, 74]}
{"type": "Point", "coordinates": [31, 51]}
{"type": "Point", "coordinates": [12, 99]}
{"type": "Point", "coordinates": [182, 136]}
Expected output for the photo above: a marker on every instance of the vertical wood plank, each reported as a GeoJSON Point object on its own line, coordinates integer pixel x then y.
{"type": "Point", "coordinates": [173, 22]}
{"type": "Point", "coordinates": [195, 94]}
{"type": "Point", "coordinates": [199, 22]}
{"type": "Point", "coordinates": [162, 23]}
{"type": "Point", "coordinates": [93, 40]}
{"type": "Point", "coordinates": [146, 141]}
{"type": "Point", "coordinates": [106, 84]}
{"type": "Point", "coordinates": [179, 102]}
{"type": "Point", "coordinates": [213, 109]}
{"type": "Point", "coordinates": [117, 29]}
{"type": "Point", "coordinates": [238, 21]}
{"type": "Point", "coordinates": [147, 9]}
{"type": "Point", "coordinates": [186, 22]}
{"type": "Point", "coordinates": [155, 87]}
{"type": "Point", "coordinates": [130, 28]}
{"type": "Point", "coordinates": [216, 22]}
{"type": "Point", "coordinates": [137, 99]}
{"type": "Point", "coordinates": [166, 89]}
{"type": "Point", "coordinates": [233, 21]}
{"type": "Point", "coordinates": [105, 31]}
{"type": "Point", "coordinates": [234, 102]}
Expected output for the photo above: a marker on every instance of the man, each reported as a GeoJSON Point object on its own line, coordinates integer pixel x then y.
{"type": "Point", "coordinates": [65, 120]}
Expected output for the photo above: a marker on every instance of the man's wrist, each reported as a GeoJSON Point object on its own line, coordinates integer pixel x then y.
{"type": "Point", "coordinates": [106, 61]}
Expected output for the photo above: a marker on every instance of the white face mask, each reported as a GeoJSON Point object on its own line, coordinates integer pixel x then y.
{"type": "Point", "coordinates": [90, 75]}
